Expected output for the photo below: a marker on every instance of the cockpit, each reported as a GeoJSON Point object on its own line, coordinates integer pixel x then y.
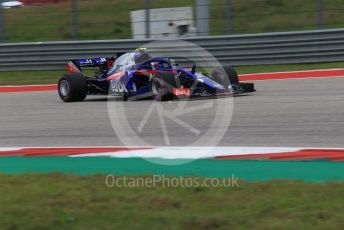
{"type": "Point", "coordinates": [128, 61]}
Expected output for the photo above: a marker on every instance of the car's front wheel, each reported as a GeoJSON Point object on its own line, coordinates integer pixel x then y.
{"type": "Point", "coordinates": [225, 76]}
{"type": "Point", "coordinates": [72, 87]}
{"type": "Point", "coordinates": [162, 85]}
{"type": "Point", "coordinates": [228, 77]}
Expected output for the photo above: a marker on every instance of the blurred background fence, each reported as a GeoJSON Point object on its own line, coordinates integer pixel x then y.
{"type": "Point", "coordinates": [236, 50]}
{"type": "Point", "coordinates": [110, 19]}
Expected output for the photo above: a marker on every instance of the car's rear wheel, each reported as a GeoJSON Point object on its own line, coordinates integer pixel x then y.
{"type": "Point", "coordinates": [72, 87]}
{"type": "Point", "coordinates": [162, 85]}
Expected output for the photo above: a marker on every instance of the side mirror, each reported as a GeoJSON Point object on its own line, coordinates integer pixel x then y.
{"type": "Point", "coordinates": [193, 70]}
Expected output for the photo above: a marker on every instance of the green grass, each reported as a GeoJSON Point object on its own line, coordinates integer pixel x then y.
{"type": "Point", "coordinates": [60, 201]}
{"type": "Point", "coordinates": [29, 77]}
{"type": "Point", "coordinates": [50, 77]}
{"type": "Point", "coordinates": [110, 19]}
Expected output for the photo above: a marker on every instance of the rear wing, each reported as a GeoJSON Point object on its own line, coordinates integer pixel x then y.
{"type": "Point", "coordinates": [76, 65]}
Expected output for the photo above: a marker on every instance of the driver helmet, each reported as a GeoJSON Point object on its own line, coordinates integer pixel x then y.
{"type": "Point", "coordinates": [141, 56]}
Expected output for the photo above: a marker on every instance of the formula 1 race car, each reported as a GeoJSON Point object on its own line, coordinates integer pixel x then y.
{"type": "Point", "coordinates": [137, 75]}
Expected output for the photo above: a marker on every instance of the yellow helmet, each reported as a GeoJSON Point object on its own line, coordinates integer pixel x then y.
{"type": "Point", "coordinates": [141, 49]}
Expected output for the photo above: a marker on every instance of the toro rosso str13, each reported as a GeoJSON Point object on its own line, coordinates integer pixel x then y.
{"type": "Point", "coordinates": [137, 75]}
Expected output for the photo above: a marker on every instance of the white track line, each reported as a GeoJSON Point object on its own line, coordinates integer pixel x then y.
{"type": "Point", "coordinates": [296, 78]}
{"type": "Point", "coordinates": [296, 71]}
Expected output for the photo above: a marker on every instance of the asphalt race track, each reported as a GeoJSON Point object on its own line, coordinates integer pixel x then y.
{"type": "Point", "coordinates": [294, 112]}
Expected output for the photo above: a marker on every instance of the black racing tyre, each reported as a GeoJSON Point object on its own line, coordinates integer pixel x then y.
{"type": "Point", "coordinates": [72, 87]}
{"type": "Point", "coordinates": [225, 76]}
{"type": "Point", "coordinates": [162, 85]}
{"type": "Point", "coordinates": [232, 75]}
